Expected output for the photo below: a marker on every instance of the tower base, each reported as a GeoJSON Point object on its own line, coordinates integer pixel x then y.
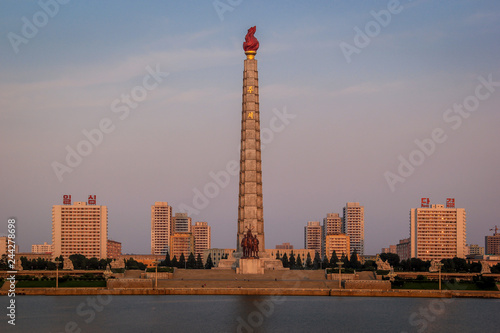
{"type": "Point", "coordinates": [250, 265]}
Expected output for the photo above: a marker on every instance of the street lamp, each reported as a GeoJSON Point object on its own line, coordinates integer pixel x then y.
{"type": "Point", "coordinates": [439, 264]}
{"type": "Point", "coordinates": [340, 263]}
{"type": "Point", "coordinates": [57, 261]}
{"type": "Point", "coordinates": [156, 274]}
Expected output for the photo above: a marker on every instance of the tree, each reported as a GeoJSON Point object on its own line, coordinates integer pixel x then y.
{"type": "Point", "coordinates": [418, 265]}
{"type": "Point", "coordinates": [345, 260]}
{"type": "Point", "coordinates": [391, 258]}
{"type": "Point", "coordinates": [182, 261]}
{"type": "Point", "coordinates": [309, 263]}
{"type": "Point", "coordinates": [299, 262]}
{"type": "Point", "coordinates": [191, 262]}
{"type": "Point", "coordinates": [354, 262]}
{"type": "Point", "coordinates": [291, 260]}
{"type": "Point", "coordinates": [325, 262]}
{"type": "Point", "coordinates": [174, 262]}
{"type": "Point", "coordinates": [167, 262]}
{"type": "Point", "coordinates": [209, 264]}
{"type": "Point", "coordinates": [334, 259]}
{"type": "Point", "coordinates": [199, 262]}
{"type": "Point", "coordinates": [4, 262]}
{"type": "Point", "coordinates": [79, 261]}
{"type": "Point", "coordinates": [93, 263]}
{"type": "Point", "coordinates": [134, 264]}
{"type": "Point", "coordinates": [316, 261]}
{"type": "Point", "coordinates": [284, 260]}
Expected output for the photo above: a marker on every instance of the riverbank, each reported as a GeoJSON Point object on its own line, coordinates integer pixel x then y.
{"type": "Point", "coordinates": [257, 291]}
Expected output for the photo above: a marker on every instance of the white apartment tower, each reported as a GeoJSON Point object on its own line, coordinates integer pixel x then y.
{"type": "Point", "coordinates": [182, 223]}
{"type": "Point", "coordinates": [438, 232]}
{"type": "Point", "coordinates": [80, 228]}
{"type": "Point", "coordinates": [354, 226]}
{"type": "Point", "coordinates": [313, 236]}
{"type": "Point", "coordinates": [202, 238]}
{"type": "Point", "coordinates": [161, 227]}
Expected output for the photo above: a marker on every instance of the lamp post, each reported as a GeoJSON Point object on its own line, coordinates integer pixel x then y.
{"type": "Point", "coordinates": [340, 263]}
{"type": "Point", "coordinates": [439, 265]}
{"type": "Point", "coordinates": [156, 274]}
{"type": "Point", "coordinates": [57, 261]}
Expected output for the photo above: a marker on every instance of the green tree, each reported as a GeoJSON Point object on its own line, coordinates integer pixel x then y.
{"type": "Point", "coordinates": [291, 260]}
{"type": "Point", "coordinates": [325, 262]}
{"type": "Point", "coordinates": [309, 263]}
{"type": "Point", "coordinates": [93, 263]}
{"type": "Point", "coordinates": [345, 260]}
{"type": "Point", "coordinates": [316, 261]}
{"type": "Point", "coordinates": [284, 260]}
{"type": "Point", "coordinates": [391, 258]}
{"type": "Point", "coordinates": [191, 262]}
{"type": "Point", "coordinates": [354, 262]}
{"type": "Point", "coordinates": [79, 261]}
{"type": "Point", "coordinates": [334, 259]}
{"type": "Point", "coordinates": [174, 262]}
{"type": "Point", "coordinates": [131, 263]}
{"type": "Point", "coordinates": [182, 261]}
{"type": "Point", "coordinates": [167, 261]}
{"type": "Point", "coordinates": [4, 262]}
{"type": "Point", "coordinates": [209, 264]}
{"type": "Point", "coordinates": [299, 262]}
{"type": "Point", "coordinates": [199, 262]}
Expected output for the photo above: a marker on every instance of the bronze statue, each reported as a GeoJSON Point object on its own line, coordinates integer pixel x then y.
{"type": "Point", "coordinates": [250, 245]}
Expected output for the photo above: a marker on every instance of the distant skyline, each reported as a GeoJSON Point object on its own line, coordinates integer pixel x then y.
{"type": "Point", "coordinates": [380, 102]}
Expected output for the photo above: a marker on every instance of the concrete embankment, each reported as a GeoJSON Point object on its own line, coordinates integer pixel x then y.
{"type": "Point", "coordinates": [256, 291]}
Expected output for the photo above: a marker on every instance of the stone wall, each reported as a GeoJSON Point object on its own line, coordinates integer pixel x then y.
{"type": "Point", "coordinates": [161, 275]}
{"type": "Point", "coordinates": [129, 283]}
{"type": "Point", "coordinates": [368, 284]}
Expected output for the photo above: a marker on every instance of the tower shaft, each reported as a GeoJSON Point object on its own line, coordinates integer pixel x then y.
{"type": "Point", "coordinates": [250, 208]}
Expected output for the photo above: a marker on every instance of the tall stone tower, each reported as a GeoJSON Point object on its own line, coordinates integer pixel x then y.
{"type": "Point", "coordinates": [250, 208]}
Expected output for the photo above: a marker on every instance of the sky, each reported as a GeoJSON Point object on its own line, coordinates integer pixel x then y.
{"type": "Point", "coordinates": [377, 102]}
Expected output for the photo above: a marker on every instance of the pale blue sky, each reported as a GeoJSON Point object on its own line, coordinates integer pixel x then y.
{"type": "Point", "coordinates": [353, 119]}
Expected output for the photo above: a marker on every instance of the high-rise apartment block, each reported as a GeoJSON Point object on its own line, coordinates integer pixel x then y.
{"type": "Point", "coordinates": [202, 237]}
{"type": "Point", "coordinates": [284, 246]}
{"type": "Point", "coordinates": [182, 223]}
{"type": "Point", "coordinates": [492, 243]}
{"type": "Point", "coordinates": [332, 224]}
{"type": "Point", "coordinates": [313, 236]}
{"type": "Point", "coordinates": [340, 243]}
{"type": "Point", "coordinates": [438, 232]}
{"type": "Point", "coordinates": [181, 243]}
{"type": "Point", "coordinates": [161, 227]}
{"type": "Point", "coordinates": [114, 249]}
{"type": "Point", "coordinates": [354, 226]}
{"type": "Point", "coordinates": [41, 248]}
{"type": "Point", "coordinates": [403, 249]}
{"type": "Point", "coordinates": [80, 228]}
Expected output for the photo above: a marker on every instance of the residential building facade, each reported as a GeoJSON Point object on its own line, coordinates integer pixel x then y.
{"type": "Point", "coordinates": [161, 227]}
{"type": "Point", "coordinates": [80, 228]}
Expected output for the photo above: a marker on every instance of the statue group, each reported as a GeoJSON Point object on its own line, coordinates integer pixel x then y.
{"type": "Point", "coordinates": [250, 245]}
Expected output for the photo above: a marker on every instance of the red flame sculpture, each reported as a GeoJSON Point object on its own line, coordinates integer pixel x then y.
{"type": "Point", "coordinates": [251, 43]}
